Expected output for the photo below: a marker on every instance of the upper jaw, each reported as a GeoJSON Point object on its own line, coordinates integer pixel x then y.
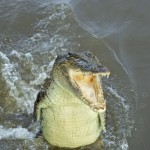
{"type": "Point", "coordinates": [101, 74]}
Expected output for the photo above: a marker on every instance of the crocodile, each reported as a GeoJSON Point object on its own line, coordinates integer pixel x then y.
{"type": "Point", "coordinates": [70, 105]}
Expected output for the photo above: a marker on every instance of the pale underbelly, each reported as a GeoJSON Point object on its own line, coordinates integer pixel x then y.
{"type": "Point", "coordinates": [70, 126]}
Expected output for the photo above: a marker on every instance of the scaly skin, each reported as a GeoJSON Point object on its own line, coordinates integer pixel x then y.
{"type": "Point", "coordinates": [68, 118]}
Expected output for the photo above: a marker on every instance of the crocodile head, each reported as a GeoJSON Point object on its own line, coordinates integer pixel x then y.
{"type": "Point", "coordinates": [84, 72]}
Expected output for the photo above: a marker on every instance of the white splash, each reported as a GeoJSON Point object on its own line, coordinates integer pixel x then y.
{"type": "Point", "coordinates": [15, 133]}
{"type": "Point", "coordinates": [39, 79]}
{"type": "Point", "coordinates": [122, 99]}
{"type": "Point", "coordinates": [23, 93]}
{"type": "Point", "coordinates": [123, 145]}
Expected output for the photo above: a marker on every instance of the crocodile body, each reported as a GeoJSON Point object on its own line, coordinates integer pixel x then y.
{"type": "Point", "coordinates": [69, 118]}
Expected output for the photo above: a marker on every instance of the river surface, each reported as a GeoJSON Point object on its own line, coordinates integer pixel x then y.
{"type": "Point", "coordinates": [33, 32]}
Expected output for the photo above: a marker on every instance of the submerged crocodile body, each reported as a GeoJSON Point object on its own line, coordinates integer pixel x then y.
{"type": "Point", "coordinates": [71, 106]}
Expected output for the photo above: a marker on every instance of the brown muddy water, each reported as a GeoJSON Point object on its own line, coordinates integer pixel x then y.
{"type": "Point", "coordinates": [33, 32]}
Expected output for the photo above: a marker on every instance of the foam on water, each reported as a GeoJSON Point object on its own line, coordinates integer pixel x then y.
{"type": "Point", "coordinates": [122, 99]}
{"type": "Point", "coordinates": [18, 88]}
{"type": "Point", "coordinates": [15, 133]}
{"type": "Point", "coordinates": [25, 68]}
{"type": "Point", "coordinates": [118, 123]}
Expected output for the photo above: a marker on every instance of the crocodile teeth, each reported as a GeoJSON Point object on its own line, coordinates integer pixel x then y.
{"type": "Point", "coordinates": [105, 75]}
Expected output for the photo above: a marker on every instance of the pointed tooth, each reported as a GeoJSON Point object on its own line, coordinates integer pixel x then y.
{"type": "Point", "coordinates": [107, 76]}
